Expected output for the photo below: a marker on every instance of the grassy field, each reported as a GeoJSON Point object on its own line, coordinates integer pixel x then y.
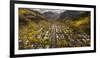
{"type": "Point", "coordinates": [36, 32]}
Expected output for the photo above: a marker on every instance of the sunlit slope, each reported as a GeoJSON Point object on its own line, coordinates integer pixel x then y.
{"type": "Point", "coordinates": [26, 15]}
{"type": "Point", "coordinates": [81, 22]}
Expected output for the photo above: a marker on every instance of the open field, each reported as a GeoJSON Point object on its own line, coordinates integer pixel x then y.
{"type": "Point", "coordinates": [37, 31]}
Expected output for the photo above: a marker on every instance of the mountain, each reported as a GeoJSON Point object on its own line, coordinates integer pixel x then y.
{"type": "Point", "coordinates": [26, 15]}
{"type": "Point", "coordinates": [71, 14]}
{"type": "Point", "coordinates": [51, 15]}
